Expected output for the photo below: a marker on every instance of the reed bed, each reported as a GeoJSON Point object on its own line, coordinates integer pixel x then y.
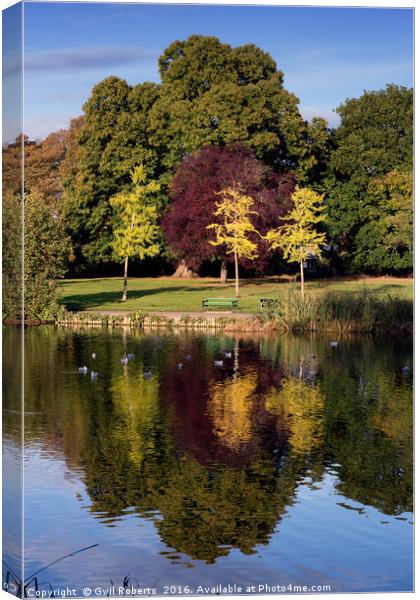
{"type": "Point", "coordinates": [359, 312]}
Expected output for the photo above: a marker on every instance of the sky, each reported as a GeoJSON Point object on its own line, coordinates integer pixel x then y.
{"type": "Point", "coordinates": [326, 54]}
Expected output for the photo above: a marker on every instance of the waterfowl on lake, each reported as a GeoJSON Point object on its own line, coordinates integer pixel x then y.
{"type": "Point", "coordinates": [147, 374]}
{"type": "Point", "coordinates": [83, 370]}
{"type": "Point", "coordinates": [218, 363]}
{"type": "Point", "coordinates": [334, 344]}
{"type": "Point", "coordinates": [124, 360]}
{"type": "Point", "coordinates": [93, 375]}
{"type": "Point", "coordinates": [180, 366]}
{"type": "Point", "coordinates": [228, 354]}
{"type": "Point", "coordinates": [130, 356]}
{"type": "Point", "coordinates": [93, 354]}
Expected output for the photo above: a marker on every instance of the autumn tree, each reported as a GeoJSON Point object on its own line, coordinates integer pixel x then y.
{"type": "Point", "coordinates": [235, 211]}
{"type": "Point", "coordinates": [193, 195]}
{"type": "Point", "coordinates": [41, 161]}
{"type": "Point", "coordinates": [298, 237]}
{"type": "Point", "coordinates": [136, 230]}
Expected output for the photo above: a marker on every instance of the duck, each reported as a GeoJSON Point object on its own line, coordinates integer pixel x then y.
{"type": "Point", "coordinates": [334, 344]}
{"type": "Point", "coordinates": [130, 356]}
{"type": "Point", "coordinates": [124, 360]}
{"type": "Point", "coordinates": [180, 366]}
{"type": "Point", "coordinates": [218, 363]}
{"type": "Point", "coordinates": [93, 354]}
{"type": "Point", "coordinates": [228, 354]}
{"type": "Point", "coordinates": [93, 375]}
{"type": "Point", "coordinates": [147, 374]}
{"type": "Point", "coordinates": [83, 370]}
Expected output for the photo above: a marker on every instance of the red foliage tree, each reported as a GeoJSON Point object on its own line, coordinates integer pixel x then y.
{"type": "Point", "coordinates": [193, 201]}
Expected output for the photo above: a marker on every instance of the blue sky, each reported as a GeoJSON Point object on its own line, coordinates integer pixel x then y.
{"type": "Point", "coordinates": [326, 54]}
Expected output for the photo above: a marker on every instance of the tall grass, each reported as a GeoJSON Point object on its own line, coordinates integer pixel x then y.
{"type": "Point", "coordinates": [358, 312]}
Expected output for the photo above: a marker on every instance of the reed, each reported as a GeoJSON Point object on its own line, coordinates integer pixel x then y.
{"type": "Point", "coordinates": [339, 312]}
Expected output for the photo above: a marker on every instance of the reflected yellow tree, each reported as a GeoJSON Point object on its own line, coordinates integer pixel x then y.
{"type": "Point", "coordinates": [136, 400]}
{"type": "Point", "coordinates": [230, 408]}
{"type": "Point", "coordinates": [300, 406]}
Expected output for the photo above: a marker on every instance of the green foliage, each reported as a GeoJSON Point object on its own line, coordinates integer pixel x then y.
{"type": "Point", "coordinates": [136, 230]}
{"type": "Point", "coordinates": [46, 249]}
{"type": "Point", "coordinates": [369, 188]}
{"type": "Point", "coordinates": [110, 143]}
{"type": "Point", "coordinates": [11, 255]}
{"type": "Point", "coordinates": [46, 252]}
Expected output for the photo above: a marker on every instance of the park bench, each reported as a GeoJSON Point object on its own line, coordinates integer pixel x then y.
{"type": "Point", "coordinates": [220, 302]}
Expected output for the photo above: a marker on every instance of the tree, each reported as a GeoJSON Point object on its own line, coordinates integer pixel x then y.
{"type": "Point", "coordinates": [298, 238]}
{"type": "Point", "coordinates": [11, 255]}
{"type": "Point", "coordinates": [234, 232]}
{"type": "Point", "coordinates": [46, 250]}
{"type": "Point", "coordinates": [42, 160]}
{"type": "Point", "coordinates": [111, 141]}
{"type": "Point", "coordinates": [374, 139]}
{"type": "Point", "coordinates": [210, 94]}
{"type": "Point", "coordinates": [193, 194]}
{"type": "Point", "coordinates": [385, 242]}
{"type": "Point", "coordinates": [136, 230]}
{"type": "Point", "coordinates": [213, 94]}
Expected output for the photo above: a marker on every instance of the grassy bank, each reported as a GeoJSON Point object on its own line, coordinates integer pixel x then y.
{"type": "Point", "coordinates": [165, 294]}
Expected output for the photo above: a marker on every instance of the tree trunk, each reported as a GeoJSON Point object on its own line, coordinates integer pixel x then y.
{"type": "Point", "coordinates": [183, 271]}
{"type": "Point", "coordinates": [125, 287]}
{"type": "Point", "coordinates": [223, 272]}
{"type": "Point", "coordinates": [302, 281]}
{"type": "Point", "coordinates": [236, 275]}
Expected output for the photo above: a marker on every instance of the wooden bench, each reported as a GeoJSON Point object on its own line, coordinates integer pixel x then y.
{"type": "Point", "coordinates": [220, 302]}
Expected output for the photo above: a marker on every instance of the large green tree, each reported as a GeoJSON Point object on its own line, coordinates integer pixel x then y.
{"type": "Point", "coordinates": [110, 142]}
{"type": "Point", "coordinates": [214, 94]}
{"type": "Point", "coordinates": [375, 139]}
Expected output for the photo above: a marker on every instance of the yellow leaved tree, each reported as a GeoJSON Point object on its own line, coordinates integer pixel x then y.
{"type": "Point", "coordinates": [136, 229]}
{"type": "Point", "coordinates": [298, 237]}
{"type": "Point", "coordinates": [235, 228]}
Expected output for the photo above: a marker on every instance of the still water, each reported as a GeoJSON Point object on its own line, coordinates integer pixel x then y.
{"type": "Point", "coordinates": [214, 460]}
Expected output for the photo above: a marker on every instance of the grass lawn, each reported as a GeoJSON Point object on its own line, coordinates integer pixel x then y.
{"type": "Point", "coordinates": [165, 294]}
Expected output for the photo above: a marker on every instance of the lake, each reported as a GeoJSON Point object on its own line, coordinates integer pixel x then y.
{"type": "Point", "coordinates": [205, 461]}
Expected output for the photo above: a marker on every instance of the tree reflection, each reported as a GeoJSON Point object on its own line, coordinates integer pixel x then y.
{"type": "Point", "coordinates": [214, 454]}
{"type": "Point", "coordinates": [300, 407]}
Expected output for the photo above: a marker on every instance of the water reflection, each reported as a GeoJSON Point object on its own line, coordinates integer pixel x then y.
{"type": "Point", "coordinates": [213, 454]}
